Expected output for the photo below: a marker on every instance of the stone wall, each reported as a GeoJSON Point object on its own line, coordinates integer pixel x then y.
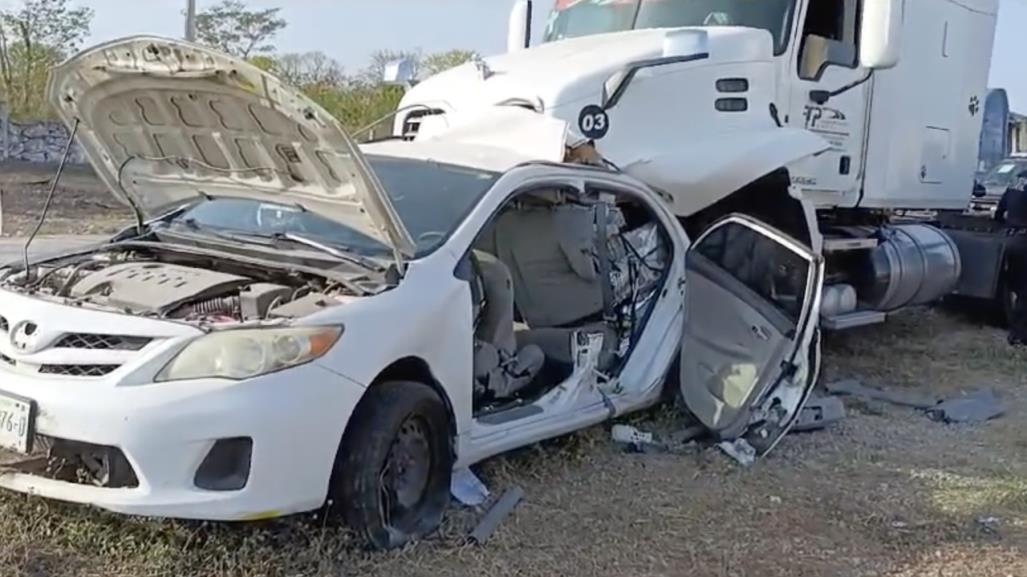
{"type": "Point", "coordinates": [42, 142]}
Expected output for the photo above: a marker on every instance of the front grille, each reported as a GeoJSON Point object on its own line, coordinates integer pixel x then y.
{"type": "Point", "coordinates": [101, 342]}
{"type": "Point", "coordinates": [412, 123]}
{"type": "Point", "coordinates": [77, 370]}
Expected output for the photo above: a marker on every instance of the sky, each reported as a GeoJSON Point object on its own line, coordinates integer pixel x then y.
{"type": "Point", "coordinates": [349, 30]}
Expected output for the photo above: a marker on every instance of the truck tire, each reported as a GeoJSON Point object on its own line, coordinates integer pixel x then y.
{"type": "Point", "coordinates": [391, 480]}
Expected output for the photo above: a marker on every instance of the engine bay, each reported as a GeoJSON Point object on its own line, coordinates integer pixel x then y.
{"type": "Point", "coordinates": [166, 284]}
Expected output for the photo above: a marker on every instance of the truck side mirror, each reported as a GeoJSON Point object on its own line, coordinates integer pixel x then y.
{"type": "Point", "coordinates": [518, 35]}
{"type": "Point", "coordinates": [400, 72]}
{"type": "Point", "coordinates": [678, 46]}
{"type": "Point", "coordinates": [881, 33]}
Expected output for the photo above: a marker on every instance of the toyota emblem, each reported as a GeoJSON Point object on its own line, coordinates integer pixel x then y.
{"type": "Point", "coordinates": [24, 336]}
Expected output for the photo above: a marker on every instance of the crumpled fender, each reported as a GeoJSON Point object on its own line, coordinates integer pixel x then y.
{"type": "Point", "coordinates": [706, 169]}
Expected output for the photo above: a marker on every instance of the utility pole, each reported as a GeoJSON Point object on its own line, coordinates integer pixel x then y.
{"type": "Point", "coordinates": [190, 20]}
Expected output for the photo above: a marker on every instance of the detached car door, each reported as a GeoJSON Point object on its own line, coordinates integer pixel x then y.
{"type": "Point", "coordinates": [750, 352]}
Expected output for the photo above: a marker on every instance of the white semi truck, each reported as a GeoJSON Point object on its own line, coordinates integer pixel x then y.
{"type": "Point", "coordinates": [716, 103]}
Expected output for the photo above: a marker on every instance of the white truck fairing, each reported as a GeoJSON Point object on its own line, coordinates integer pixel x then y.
{"type": "Point", "coordinates": [639, 133]}
{"type": "Point", "coordinates": [897, 136]}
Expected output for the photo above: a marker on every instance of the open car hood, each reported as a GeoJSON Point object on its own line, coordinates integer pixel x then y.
{"type": "Point", "coordinates": [163, 121]}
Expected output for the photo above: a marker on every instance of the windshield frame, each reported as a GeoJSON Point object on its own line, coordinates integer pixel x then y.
{"type": "Point", "coordinates": [780, 46]}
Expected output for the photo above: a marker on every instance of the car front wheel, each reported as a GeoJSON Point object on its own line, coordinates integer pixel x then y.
{"type": "Point", "coordinates": [394, 465]}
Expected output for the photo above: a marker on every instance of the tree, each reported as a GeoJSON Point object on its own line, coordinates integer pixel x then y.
{"type": "Point", "coordinates": [424, 66]}
{"type": "Point", "coordinates": [442, 61]}
{"type": "Point", "coordinates": [32, 40]}
{"type": "Point", "coordinates": [375, 71]}
{"type": "Point", "coordinates": [310, 69]}
{"type": "Point", "coordinates": [237, 30]}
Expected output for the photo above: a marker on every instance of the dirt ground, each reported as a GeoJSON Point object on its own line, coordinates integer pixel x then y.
{"type": "Point", "coordinates": [81, 204]}
{"type": "Point", "coordinates": [887, 492]}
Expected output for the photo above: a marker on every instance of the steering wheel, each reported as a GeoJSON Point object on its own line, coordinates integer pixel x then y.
{"type": "Point", "coordinates": [718, 19]}
{"type": "Point", "coordinates": [424, 237]}
{"type": "Point", "coordinates": [264, 221]}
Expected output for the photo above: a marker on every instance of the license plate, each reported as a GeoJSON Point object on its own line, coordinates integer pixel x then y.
{"type": "Point", "coordinates": [15, 423]}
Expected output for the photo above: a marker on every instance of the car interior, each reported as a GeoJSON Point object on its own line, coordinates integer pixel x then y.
{"type": "Point", "coordinates": [550, 267]}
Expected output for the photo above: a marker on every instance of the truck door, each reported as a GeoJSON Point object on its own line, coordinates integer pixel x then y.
{"type": "Point", "coordinates": [748, 356]}
{"type": "Point", "coordinates": [825, 61]}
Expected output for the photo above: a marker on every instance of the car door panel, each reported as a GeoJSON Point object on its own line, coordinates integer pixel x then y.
{"type": "Point", "coordinates": [752, 300]}
{"type": "Point", "coordinates": [730, 339]}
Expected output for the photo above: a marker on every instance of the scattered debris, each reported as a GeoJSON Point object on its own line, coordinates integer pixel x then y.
{"type": "Point", "coordinates": [500, 511]}
{"type": "Point", "coordinates": [819, 413]}
{"type": "Point", "coordinates": [989, 525]}
{"type": "Point", "coordinates": [975, 407]}
{"type": "Point", "coordinates": [467, 488]}
{"type": "Point", "coordinates": [629, 435]}
{"type": "Point", "coordinates": [638, 441]}
{"type": "Point", "coordinates": [740, 450]}
{"type": "Point", "coordinates": [853, 387]}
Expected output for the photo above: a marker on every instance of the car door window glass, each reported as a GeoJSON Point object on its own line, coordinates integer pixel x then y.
{"type": "Point", "coordinates": [762, 264]}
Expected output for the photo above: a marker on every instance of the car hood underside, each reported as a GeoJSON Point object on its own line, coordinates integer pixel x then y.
{"type": "Point", "coordinates": [164, 121]}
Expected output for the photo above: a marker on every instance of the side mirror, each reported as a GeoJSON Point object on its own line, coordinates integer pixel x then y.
{"type": "Point", "coordinates": [880, 33]}
{"type": "Point", "coordinates": [979, 190]}
{"type": "Point", "coordinates": [518, 35]}
{"type": "Point", "coordinates": [400, 72]}
{"type": "Point", "coordinates": [678, 46]}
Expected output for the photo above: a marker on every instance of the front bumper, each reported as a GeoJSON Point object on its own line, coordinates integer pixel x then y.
{"type": "Point", "coordinates": [295, 419]}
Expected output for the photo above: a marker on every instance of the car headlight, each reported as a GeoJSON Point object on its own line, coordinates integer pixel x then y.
{"type": "Point", "coordinates": [245, 353]}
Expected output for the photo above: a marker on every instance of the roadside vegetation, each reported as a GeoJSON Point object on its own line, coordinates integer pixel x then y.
{"type": "Point", "coordinates": [37, 34]}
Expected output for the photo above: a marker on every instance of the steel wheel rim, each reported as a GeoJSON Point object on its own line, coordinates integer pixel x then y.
{"type": "Point", "coordinates": [405, 476]}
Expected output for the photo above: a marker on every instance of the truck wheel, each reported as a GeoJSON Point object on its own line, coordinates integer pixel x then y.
{"type": "Point", "coordinates": [393, 468]}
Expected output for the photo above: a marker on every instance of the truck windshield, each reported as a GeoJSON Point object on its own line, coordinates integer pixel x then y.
{"type": "Point", "coordinates": [573, 18]}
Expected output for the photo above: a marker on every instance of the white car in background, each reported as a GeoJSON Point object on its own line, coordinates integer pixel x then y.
{"type": "Point", "coordinates": [299, 321]}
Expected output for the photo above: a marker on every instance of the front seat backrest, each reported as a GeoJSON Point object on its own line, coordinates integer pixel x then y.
{"type": "Point", "coordinates": [550, 253]}
{"type": "Point", "coordinates": [496, 323]}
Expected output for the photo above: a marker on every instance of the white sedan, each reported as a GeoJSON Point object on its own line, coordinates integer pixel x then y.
{"type": "Point", "coordinates": [298, 321]}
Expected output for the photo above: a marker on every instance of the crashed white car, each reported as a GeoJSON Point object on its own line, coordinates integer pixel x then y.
{"type": "Point", "coordinates": [298, 321]}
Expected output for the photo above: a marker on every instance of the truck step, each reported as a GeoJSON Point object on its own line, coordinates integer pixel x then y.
{"type": "Point", "coordinates": [840, 244]}
{"type": "Point", "coordinates": [853, 320]}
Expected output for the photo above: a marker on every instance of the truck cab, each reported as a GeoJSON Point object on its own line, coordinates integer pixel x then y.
{"type": "Point", "coordinates": [849, 106]}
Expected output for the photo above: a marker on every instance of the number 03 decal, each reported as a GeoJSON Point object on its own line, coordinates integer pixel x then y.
{"type": "Point", "coordinates": [593, 122]}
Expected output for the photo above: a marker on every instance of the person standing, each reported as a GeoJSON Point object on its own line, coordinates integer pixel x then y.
{"type": "Point", "coordinates": [1012, 211]}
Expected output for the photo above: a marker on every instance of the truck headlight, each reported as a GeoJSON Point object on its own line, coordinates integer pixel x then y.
{"type": "Point", "coordinates": [246, 353]}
